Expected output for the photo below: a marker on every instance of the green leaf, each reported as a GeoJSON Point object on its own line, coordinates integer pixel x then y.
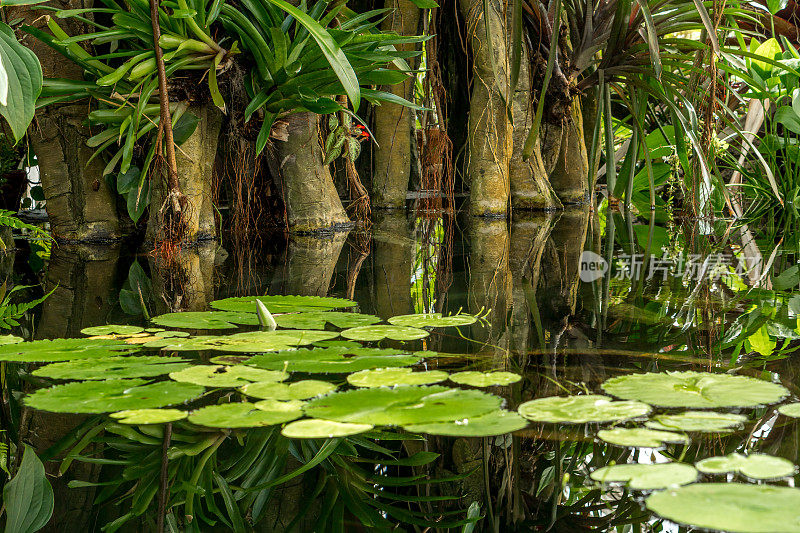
{"type": "Point", "coordinates": [647, 476]}
{"type": "Point", "coordinates": [20, 82]}
{"type": "Point", "coordinates": [312, 428]}
{"type": "Point", "coordinates": [769, 49]}
{"type": "Point", "coordinates": [425, 4]}
{"type": "Point", "coordinates": [776, 5]}
{"type": "Point", "coordinates": [184, 127]}
{"type": "Point", "coordinates": [28, 498]}
{"type": "Point", "coordinates": [787, 117]}
{"type": "Point", "coordinates": [581, 409]}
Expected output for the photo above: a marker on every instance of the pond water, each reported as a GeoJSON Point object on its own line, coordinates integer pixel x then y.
{"type": "Point", "coordinates": [588, 372]}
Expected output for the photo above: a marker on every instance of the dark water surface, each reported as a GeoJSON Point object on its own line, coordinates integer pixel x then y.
{"type": "Point", "coordinates": [696, 296]}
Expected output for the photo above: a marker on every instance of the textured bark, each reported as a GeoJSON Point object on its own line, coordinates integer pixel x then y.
{"type": "Point", "coordinates": [569, 178]}
{"type": "Point", "coordinates": [530, 188]}
{"type": "Point", "coordinates": [311, 262]}
{"type": "Point", "coordinates": [312, 203]}
{"type": "Point", "coordinates": [489, 285]}
{"type": "Point", "coordinates": [187, 282]}
{"type": "Point", "coordinates": [392, 264]}
{"type": "Point", "coordinates": [394, 124]}
{"type": "Point", "coordinates": [80, 204]}
{"type": "Point", "coordinates": [195, 159]}
{"type": "Point", "coordinates": [489, 133]}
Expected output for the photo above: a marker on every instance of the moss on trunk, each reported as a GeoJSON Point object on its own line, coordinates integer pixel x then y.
{"type": "Point", "coordinates": [569, 176]}
{"type": "Point", "coordinates": [394, 124]}
{"type": "Point", "coordinates": [312, 203]}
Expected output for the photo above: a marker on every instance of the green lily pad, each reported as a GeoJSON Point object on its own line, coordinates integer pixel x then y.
{"type": "Point", "coordinates": [641, 438]}
{"type": "Point", "coordinates": [318, 319]}
{"type": "Point", "coordinates": [790, 409]}
{"type": "Point", "coordinates": [432, 320]}
{"type": "Point", "coordinates": [392, 377]}
{"type": "Point", "coordinates": [247, 342]}
{"type": "Point", "coordinates": [695, 389]}
{"type": "Point", "coordinates": [206, 320]}
{"type": "Point", "coordinates": [243, 415]}
{"type": "Point", "coordinates": [402, 405]}
{"type": "Point", "coordinates": [47, 351]}
{"type": "Point", "coordinates": [112, 329]}
{"type": "Point", "coordinates": [704, 421]}
{"type": "Point", "coordinates": [581, 409]}
{"type": "Point", "coordinates": [148, 416]}
{"type": "Point", "coordinates": [731, 507]}
{"type": "Point", "coordinates": [226, 376]}
{"type": "Point", "coordinates": [754, 466]}
{"type": "Point", "coordinates": [487, 425]}
{"type": "Point", "coordinates": [485, 379]}
{"type": "Point", "coordinates": [112, 368]}
{"type": "Point", "coordinates": [154, 330]}
{"type": "Point", "coordinates": [168, 334]}
{"type": "Point", "coordinates": [337, 344]}
{"type": "Point", "coordinates": [282, 304]}
{"type": "Point", "coordinates": [301, 390]}
{"type": "Point", "coordinates": [112, 395]}
{"type": "Point", "coordinates": [377, 333]}
{"type": "Point", "coordinates": [229, 360]}
{"type": "Point", "coordinates": [10, 339]}
{"type": "Point", "coordinates": [333, 360]}
{"type": "Point", "coordinates": [313, 428]}
{"type": "Point", "coordinates": [647, 476]}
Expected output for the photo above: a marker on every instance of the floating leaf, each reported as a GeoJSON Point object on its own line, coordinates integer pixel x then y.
{"type": "Point", "coordinates": [10, 339]}
{"type": "Point", "coordinates": [112, 329]}
{"type": "Point", "coordinates": [641, 438]}
{"type": "Point", "coordinates": [485, 379]}
{"type": "Point", "coordinates": [112, 368]}
{"type": "Point", "coordinates": [244, 415]}
{"type": "Point", "coordinates": [790, 409]}
{"type": "Point", "coordinates": [731, 507]}
{"type": "Point", "coordinates": [318, 319]}
{"type": "Point", "coordinates": [28, 497]}
{"type": "Point", "coordinates": [313, 428]}
{"type": "Point", "coordinates": [403, 405]}
{"type": "Point", "coordinates": [282, 304]}
{"type": "Point", "coordinates": [695, 389]}
{"type": "Point", "coordinates": [301, 390]}
{"type": "Point", "coordinates": [206, 320]}
{"type": "Point", "coordinates": [333, 360]}
{"type": "Point", "coordinates": [487, 425]}
{"type": "Point", "coordinates": [581, 409]}
{"type": "Point", "coordinates": [248, 342]}
{"type": "Point", "coordinates": [226, 376]}
{"type": "Point", "coordinates": [229, 359]}
{"type": "Point", "coordinates": [111, 395]}
{"type": "Point", "coordinates": [165, 334]}
{"type": "Point", "coordinates": [647, 476]}
{"type": "Point", "coordinates": [391, 377]}
{"type": "Point", "coordinates": [376, 333]}
{"type": "Point", "coordinates": [705, 421]}
{"type": "Point", "coordinates": [754, 466]}
{"type": "Point", "coordinates": [148, 416]}
{"type": "Point", "coordinates": [432, 320]}
{"type": "Point", "coordinates": [337, 344]}
{"type": "Point", "coordinates": [47, 351]}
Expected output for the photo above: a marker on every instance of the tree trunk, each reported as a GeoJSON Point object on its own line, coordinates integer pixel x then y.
{"type": "Point", "coordinates": [569, 178]}
{"type": "Point", "coordinates": [311, 263]}
{"type": "Point", "coordinates": [489, 281]}
{"type": "Point", "coordinates": [195, 159]}
{"type": "Point", "coordinates": [392, 265]}
{"type": "Point", "coordinates": [80, 204]}
{"type": "Point", "coordinates": [394, 124]}
{"type": "Point", "coordinates": [186, 282]}
{"type": "Point", "coordinates": [490, 136]}
{"type": "Point", "coordinates": [312, 203]}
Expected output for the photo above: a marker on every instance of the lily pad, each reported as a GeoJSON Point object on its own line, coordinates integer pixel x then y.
{"type": "Point", "coordinates": [243, 415]}
{"type": "Point", "coordinates": [377, 333]}
{"type": "Point", "coordinates": [313, 428]}
{"type": "Point", "coordinates": [48, 351]}
{"type": "Point", "coordinates": [754, 466]}
{"type": "Point", "coordinates": [695, 389]}
{"type": "Point", "coordinates": [112, 395]}
{"type": "Point", "coordinates": [581, 409]}
{"type": "Point", "coordinates": [647, 476]}
{"type": "Point", "coordinates": [333, 360]}
{"type": "Point", "coordinates": [149, 416]}
{"type": "Point", "coordinates": [282, 304]}
{"type": "Point", "coordinates": [790, 409]}
{"type": "Point", "coordinates": [247, 342]}
{"type": "Point", "coordinates": [403, 405]}
{"type": "Point", "coordinates": [229, 360]}
{"type": "Point", "coordinates": [432, 320]}
{"type": "Point", "coordinates": [337, 344]}
{"type": "Point", "coordinates": [704, 421]}
{"type": "Point", "coordinates": [485, 379]}
{"type": "Point", "coordinates": [487, 425]}
{"type": "Point", "coordinates": [226, 376]}
{"type": "Point", "coordinates": [641, 438]}
{"type": "Point", "coordinates": [10, 339]}
{"type": "Point", "coordinates": [167, 334]}
{"type": "Point", "coordinates": [112, 329]}
{"type": "Point", "coordinates": [391, 377]}
{"type": "Point", "coordinates": [112, 368]}
{"type": "Point", "coordinates": [731, 507]}
{"type": "Point", "coordinates": [301, 390]}
{"type": "Point", "coordinates": [206, 320]}
{"type": "Point", "coordinates": [318, 319]}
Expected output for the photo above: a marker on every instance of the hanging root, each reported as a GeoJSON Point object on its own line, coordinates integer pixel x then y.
{"type": "Point", "coordinates": [359, 206]}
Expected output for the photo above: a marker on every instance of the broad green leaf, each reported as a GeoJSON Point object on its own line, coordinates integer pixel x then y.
{"type": "Point", "coordinates": [112, 368]}
{"type": "Point", "coordinates": [312, 428]}
{"type": "Point", "coordinates": [432, 320]}
{"type": "Point", "coordinates": [206, 320]}
{"type": "Point", "coordinates": [647, 476]}
{"type": "Point", "coordinates": [703, 421]}
{"type": "Point", "coordinates": [754, 466]}
{"type": "Point", "coordinates": [148, 416]}
{"type": "Point", "coordinates": [20, 83]}
{"type": "Point", "coordinates": [393, 377]}
{"type": "Point", "coordinates": [641, 438]}
{"type": "Point", "coordinates": [301, 390]}
{"type": "Point", "coordinates": [333, 360]}
{"type": "Point", "coordinates": [318, 319]}
{"type": "Point", "coordinates": [581, 409]}
{"type": "Point", "coordinates": [28, 497]}
{"type": "Point", "coordinates": [46, 351]}
{"type": "Point", "coordinates": [377, 333]}
{"type": "Point", "coordinates": [282, 304]}
{"type": "Point", "coordinates": [245, 415]}
{"type": "Point", "coordinates": [226, 376]}
{"type": "Point", "coordinates": [485, 379]}
{"type": "Point", "coordinates": [112, 329]}
{"type": "Point", "coordinates": [490, 424]}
